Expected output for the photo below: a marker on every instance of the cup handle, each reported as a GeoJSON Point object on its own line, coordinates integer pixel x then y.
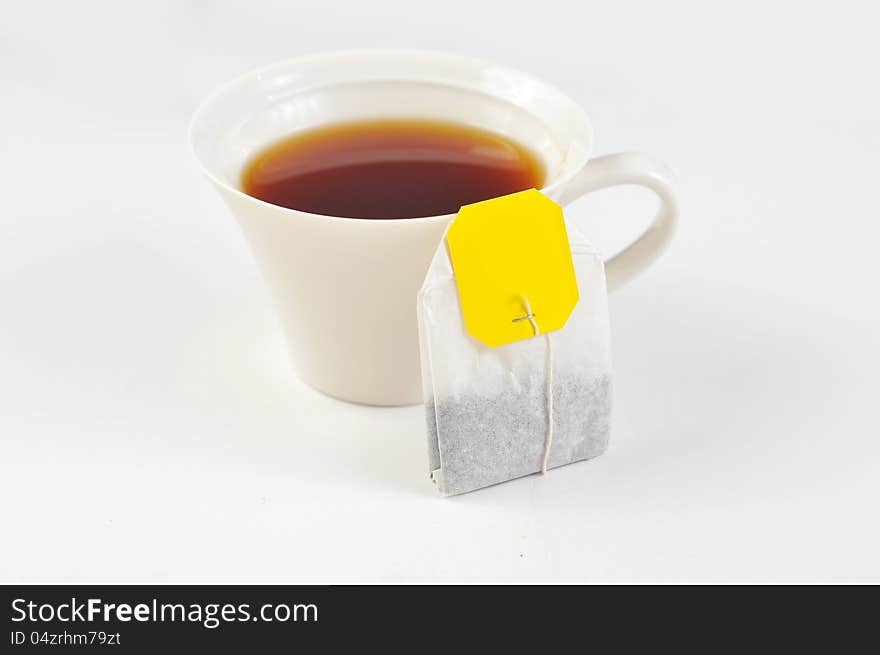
{"type": "Point", "coordinates": [630, 168]}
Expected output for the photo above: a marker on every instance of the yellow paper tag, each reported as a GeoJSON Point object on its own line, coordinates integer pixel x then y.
{"type": "Point", "coordinates": [509, 253]}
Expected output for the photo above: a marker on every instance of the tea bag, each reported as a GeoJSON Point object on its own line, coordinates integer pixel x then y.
{"type": "Point", "coordinates": [514, 384]}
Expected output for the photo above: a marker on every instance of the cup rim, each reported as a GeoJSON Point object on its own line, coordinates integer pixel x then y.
{"type": "Point", "coordinates": [359, 54]}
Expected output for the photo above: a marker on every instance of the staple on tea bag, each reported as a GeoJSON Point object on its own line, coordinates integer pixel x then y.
{"type": "Point", "coordinates": [497, 413]}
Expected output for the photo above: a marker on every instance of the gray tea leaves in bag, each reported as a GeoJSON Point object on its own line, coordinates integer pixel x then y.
{"type": "Point", "coordinates": [487, 406]}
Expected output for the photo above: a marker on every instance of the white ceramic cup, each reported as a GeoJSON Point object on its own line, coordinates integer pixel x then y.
{"type": "Point", "coordinates": [345, 288]}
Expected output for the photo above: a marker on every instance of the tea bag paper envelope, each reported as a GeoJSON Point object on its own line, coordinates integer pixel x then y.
{"type": "Point", "coordinates": [487, 407]}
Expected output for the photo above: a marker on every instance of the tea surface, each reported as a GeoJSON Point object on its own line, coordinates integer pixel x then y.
{"type": "Point", "coordinates": [388, 169]}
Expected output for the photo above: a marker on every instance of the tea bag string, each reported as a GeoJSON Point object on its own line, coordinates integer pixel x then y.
{"type": "Point", "coordinates": [548, 442]}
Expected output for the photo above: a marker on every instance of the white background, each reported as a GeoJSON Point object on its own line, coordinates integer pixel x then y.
{"type": "Point", "coordinates": [152, 430]}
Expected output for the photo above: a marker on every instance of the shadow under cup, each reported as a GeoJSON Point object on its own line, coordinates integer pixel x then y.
{"type": "Point", "coordinates": [345, 289]}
